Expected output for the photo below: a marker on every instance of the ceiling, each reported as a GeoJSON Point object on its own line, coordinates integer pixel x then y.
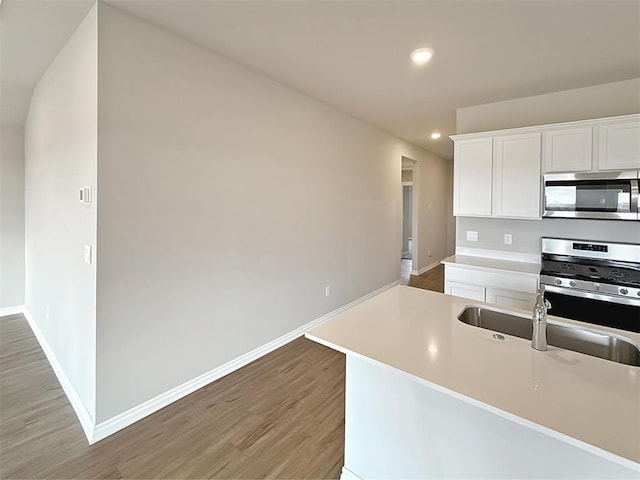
{"type": "Point", "coordinates": [354, 55]}
{"type": "Point", "coordinates": [32, 32]}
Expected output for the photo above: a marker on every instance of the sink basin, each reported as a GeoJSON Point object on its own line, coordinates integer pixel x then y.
{"type": "Point", "coordinates": [596, 344]}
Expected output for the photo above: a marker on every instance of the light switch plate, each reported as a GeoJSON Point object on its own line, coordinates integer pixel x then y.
{"type": "Point", "coordinates": [88, 254]}
{"type": "Point", "coordinates": [472, 236]}
{"type": "Point", "coordinates": [85, 195]}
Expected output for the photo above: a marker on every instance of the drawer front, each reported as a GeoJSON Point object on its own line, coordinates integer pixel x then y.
{"type": "Point", "coordinates": [472, 292]}
{"type": "Point", "coordinates": [527, 284]}
{"type": "Point", "coordinates": [511, 299]}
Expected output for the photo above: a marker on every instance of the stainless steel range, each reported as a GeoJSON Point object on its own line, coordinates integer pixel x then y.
{"type": "Point", "coordinates": [595, 282]}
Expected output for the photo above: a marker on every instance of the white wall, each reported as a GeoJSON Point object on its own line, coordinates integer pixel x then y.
{"type": "Point", "coordinates": [527, 233]}
{"type": "Point", "coordinates": [609, 99]}
{"type": "Point", "coordinates": [227, 203]}
{"type": "Point", "coordinates": [407, 215]}
{"type": "Point", "coordinates": [61, 157]}
{"type": "Point", "coordinates": [433, 187]}
{"type": "Point", "coordinates": [618, 98]}
{"type": "Point", "coordinates": [451, 220]}
{"type": "Point", "coordinates": [11, 216]}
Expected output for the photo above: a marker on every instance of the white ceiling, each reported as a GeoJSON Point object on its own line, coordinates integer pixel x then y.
{"type": "Point", "coordinates": [32, 32]}
{"type": "Point", "coordinates": [354, 55]}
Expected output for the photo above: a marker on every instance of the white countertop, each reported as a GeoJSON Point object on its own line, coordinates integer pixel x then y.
{"type": "Point", "coordinates": [487, 263]}
{"type": "Point", "coordinates": [575, 397]}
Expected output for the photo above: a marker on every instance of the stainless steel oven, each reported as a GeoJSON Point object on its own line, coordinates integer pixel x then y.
{"type": "Point", "coordinates": [607, 195]}
{"type": "Point", "coordinates": [594, 282]}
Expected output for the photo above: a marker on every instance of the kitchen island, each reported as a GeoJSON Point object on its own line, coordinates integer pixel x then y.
{"type": "Point", "coordinates": [428, 396]}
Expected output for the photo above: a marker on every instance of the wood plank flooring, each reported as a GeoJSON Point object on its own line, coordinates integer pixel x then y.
{"type": "Point", "coordinates": [430, 280]}
{"type": "Point", "coordinates": [281, 416]}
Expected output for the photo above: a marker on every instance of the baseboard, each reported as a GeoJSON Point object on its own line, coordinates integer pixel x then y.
{"type": "Point", "coordinates": [15, 310]}
{"type": "Point", "coordinates": [427, 268]}
{"type": "Point", "coordinates": [83, 415]}
{"type": "Point", "coordinates": [124, 419]}
{"type": "Point", "coordinates": [348, 475]}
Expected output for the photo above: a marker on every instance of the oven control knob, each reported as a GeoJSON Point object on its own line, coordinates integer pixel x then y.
{"type": "Point", "coordinates": [558, 281]}
{"type": "Point", "coordinates": [623, 291]}
{"type": "Point", "coordinates": [572, 283]}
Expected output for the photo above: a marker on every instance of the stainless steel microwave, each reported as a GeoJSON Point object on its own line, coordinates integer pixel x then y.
{"type": "Point", "coordinates": [605, 195]}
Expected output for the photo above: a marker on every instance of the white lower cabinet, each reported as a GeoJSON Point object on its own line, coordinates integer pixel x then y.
{"type": "Point", "coordinates": [510, 298]}
{"type": "Point", "coordinates": [510, 290]}
{"type": "Point", "coordinates": [472, 292]}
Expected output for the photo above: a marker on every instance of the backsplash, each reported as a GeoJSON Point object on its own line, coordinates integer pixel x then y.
{"type": "Point", "coordinates": [526, 234]}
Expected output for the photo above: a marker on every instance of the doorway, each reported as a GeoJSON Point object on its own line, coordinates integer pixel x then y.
{"type": "Point", "coordinates": [408, 250]}
{"type": "Point", "coordinates": [407, 208]}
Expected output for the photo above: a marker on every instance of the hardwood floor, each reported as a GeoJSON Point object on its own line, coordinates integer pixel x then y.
{"type": "Point", "coordinates": [430, 280]}
{"type": "Point", "coordinates": [281, 416]}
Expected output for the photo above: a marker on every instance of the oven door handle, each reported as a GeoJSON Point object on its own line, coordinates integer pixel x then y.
{"type": "Point", "coordinates": [592, 296]}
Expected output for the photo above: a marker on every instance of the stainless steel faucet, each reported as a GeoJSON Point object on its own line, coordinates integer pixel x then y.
{"type": "Point", "coordinates": [539, 319]}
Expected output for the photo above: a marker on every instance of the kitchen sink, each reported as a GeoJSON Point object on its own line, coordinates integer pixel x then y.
{"type": "Point", "coordinates": [596, 344]}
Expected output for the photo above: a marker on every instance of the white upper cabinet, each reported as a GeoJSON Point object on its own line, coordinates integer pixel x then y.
{"type": "Point", "coordinates": [516, 176]}
{"type": "Point", "coordinates": [619, 145]}
{"type": "Point", "coordinates": [498, 174]}
{"type": "Point", "coordinates": [472, 177]}
{"type": "Point", "coordinates": [568, 149]}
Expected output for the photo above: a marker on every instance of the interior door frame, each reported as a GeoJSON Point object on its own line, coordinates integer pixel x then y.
{"type": "Point", "coordinates": [411, 165]}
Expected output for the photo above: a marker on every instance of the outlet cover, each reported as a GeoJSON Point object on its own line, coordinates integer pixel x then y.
{"type": "Point", "coordinates": [508, 239]}
{"type": "Point", "coordinates": [87, 254]}
{"type": "Point", "coordinates": [472, 236]}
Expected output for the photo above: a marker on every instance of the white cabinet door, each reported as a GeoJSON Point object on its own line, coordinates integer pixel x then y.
{"type": "Point", "coordinates": [510, 298]}
{"type": "Point", "coordinates": [516, 176]}
{"type": "Point", "coordinates": [472, 292]}
{"type": "Point", "coordinates": [568, 149]}
{"type": "Point", "coordinates": [472, 177]}
{"type": "Point", "coordinates": [619, 146]}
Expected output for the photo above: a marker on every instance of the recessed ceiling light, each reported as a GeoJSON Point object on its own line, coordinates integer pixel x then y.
{"type": "Point", "coordinates": [436, 135]}
{"type": "Point", "coordinates": [421, 55]}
